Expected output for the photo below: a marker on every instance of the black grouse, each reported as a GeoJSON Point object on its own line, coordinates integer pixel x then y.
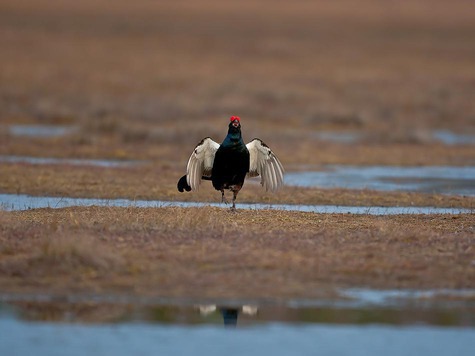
{"type": "Point", "coordinates": [227, 165]}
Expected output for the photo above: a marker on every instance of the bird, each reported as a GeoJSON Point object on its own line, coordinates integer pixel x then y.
{"type": "Point", "coordinates": [229, 163]}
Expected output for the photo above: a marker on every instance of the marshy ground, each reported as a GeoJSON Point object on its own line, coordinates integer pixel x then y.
{"type": "Point", "coordinates": [147, 80]}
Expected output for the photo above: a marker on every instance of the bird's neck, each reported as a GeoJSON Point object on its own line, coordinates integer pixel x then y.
{"type": "Point", "coordinates": [233, 137]}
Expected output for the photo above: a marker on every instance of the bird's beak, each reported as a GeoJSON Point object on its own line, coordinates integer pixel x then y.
{"type": "Point", "coordinates": [236, 123]}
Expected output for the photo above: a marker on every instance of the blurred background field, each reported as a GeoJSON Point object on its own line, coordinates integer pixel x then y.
{"type": "Point", "coordinates": [148, 79]}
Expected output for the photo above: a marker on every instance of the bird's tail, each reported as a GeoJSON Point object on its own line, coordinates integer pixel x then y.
{"type": "Point", "coordinates": [183, 185]}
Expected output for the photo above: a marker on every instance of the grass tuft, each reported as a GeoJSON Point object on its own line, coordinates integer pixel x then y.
{"type": "Point", "coordinates": [67, 252]}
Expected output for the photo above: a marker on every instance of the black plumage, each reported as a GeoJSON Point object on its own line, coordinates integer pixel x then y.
{"type": "Point", "coordinates": [227, 164]}
{"type": "Point", "coordinates": [231, 162]}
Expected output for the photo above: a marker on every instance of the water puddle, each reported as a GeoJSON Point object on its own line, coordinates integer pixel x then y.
{"type": "Point", "coordinates": [95, 326]}
{"type": "Point", "coordinates": [11, 202]}
{"type": "Point", "coordinates": [445, 137]}
{"type": "Point", "coordinates": [450, 138]}
{"type": "Point", "coordinates": [403, 297]}
{"type": "Point", "coordinates": [432, 179]}
{"type": "Point", "coordinates": [41, 131]}
{"type": "Point", "coordinates": [106, 163]}
{"type": "Point", "coordinates": [337, 137]}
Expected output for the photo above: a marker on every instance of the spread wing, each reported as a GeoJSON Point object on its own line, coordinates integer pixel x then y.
{"type": "Point", "coordinates": [201, 162]}
{"type": "Point", "coordinates": [264, 163]}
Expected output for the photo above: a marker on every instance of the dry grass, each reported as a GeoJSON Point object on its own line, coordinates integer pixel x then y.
{"type": "Point", "coordinates": [74, 252]}
{"type": "Point", "coordinates": [65, 253]}
{"type": "Point", "coordinates": [211, 252]}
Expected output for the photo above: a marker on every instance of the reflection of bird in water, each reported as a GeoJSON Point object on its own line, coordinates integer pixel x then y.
{"type": "Point", "coordinates": [229, 314]}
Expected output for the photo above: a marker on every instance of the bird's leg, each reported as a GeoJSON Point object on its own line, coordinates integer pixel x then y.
{"type": "Point", "coordinates": [235, 193]}
{"type": "Point", "coordinates": [223, 199]}
{"type": "Point", "coordinates": [234, 200]}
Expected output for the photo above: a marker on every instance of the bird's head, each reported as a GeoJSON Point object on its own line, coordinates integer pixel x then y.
{"type": "Point", "coordinates": [235, 122]}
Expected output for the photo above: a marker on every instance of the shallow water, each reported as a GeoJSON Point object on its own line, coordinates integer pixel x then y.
{"type": "Point", "coordinates": [431, 179]}
{"type": "Point", "coordinates": [11, 202]}
{"type": "Point", "coordinates": [50, 339]}
{"type": "Point", "coordinates": [98, 328]}
{"type": "Point", "coordinates": [450, 138]}
{"type": "Point", "coordinates": [107, 163]}
{"type": "Point", "coordinates": [44, 131]}
{"type": "Point", "coordinates": [446, 137]}
{"type": "Point", "coordinates": [338, 137]}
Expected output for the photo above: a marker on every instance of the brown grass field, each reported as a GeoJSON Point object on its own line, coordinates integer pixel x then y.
{"type": "Point", "coordinates": [146, 80]}
{"type": "Point", "coordinates": [211, 252]}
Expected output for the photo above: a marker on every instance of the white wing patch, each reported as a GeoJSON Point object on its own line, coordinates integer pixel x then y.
{"type": "Point", "coordinates": [201, 162]}
{"type": "Point", "coordinates": [264, 163]}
